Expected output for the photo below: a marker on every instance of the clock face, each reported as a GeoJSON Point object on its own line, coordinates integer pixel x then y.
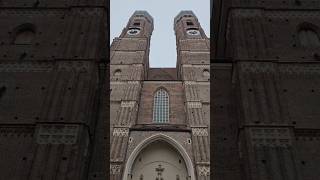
{"type": "Point", "coordinates": [133, 31]}
{"type": "Point", "coordinates": [193, 32]}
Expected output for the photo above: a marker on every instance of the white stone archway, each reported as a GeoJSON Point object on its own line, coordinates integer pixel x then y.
{"type": "Point", "coordinates": [153, 138]}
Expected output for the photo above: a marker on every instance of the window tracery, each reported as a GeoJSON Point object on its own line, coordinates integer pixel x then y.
{"type": "Point", "coordinates": [161, 106]}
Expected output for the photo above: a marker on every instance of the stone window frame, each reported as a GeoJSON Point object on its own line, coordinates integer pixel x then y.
{"type": "Point", "coordinates": [306, 26]}
{"type": "Point", "coordinates": [164, 101]}
{"type": "Point", "coordinates": [189, 23]}
{"type": "Point", "coordinates": [117, 72]}
{"type": "Point", "coordinates": [206, 72]}
{"type": "Point", "coordinates": [26, 27]}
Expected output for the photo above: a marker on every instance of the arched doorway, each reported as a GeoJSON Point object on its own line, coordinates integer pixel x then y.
{"type": "Point", "coordinates": [159, 161]}
{"type": "Point", "coordinates": [159, 157]}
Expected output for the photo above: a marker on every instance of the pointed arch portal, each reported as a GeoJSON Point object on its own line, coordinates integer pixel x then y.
{"type": "Point", "coordinates": [159, 156]}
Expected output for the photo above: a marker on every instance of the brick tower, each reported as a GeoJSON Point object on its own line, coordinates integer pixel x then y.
{"type": "Point", "coordinates": [159, 124]}
{"type": "Point", "coordinates": [265, 90]}
{"type": "Point", "coordinates": [193, 66]}
{"type": "Point", "coordinates": [128, 68]}
{"type": "Point", "coordinates": [52, 72]}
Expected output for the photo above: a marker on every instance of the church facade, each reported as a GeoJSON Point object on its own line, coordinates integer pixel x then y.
{"type": "Point", "coordinates": [159, 117]}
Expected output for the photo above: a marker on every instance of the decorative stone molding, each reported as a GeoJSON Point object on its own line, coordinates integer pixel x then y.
{"type": "Point", "coordinates": [7, 66]}
{"type": "Point", "coordinates": [133, 82]}
{"type": "Point", "coordinates": [81, 66]}
{"type": "Point", "coordinates": [122, 132]}
{"type": "Point", "coordinates": [199, 131]}
{"type": "Point", "coordinates": [117, 82]}
{"type": "Point", "coordinates": [189, 82]}
{"type": "Point", "coordinates": [194, 104]}
{"type": "Point", "coordinates": [204, 170]}
{"type": "Point", "coordinates": [137, 65]}
{"type": "Point", "coordinates": [261, 67]}
{"type": "Point", "coordinates": [128, 103]}
{"type": "Point", "coordinates": [123, 82]}
{"type": "Point", "coordinates": [57, 134]}
{"type": "Point", "coordinates": [115, 169]}
{"type": "Point", "coordinates": [12, 131]}
{"type": "Point", "coordinates": [197, 65]}
{"type": "Point", "coordinates": [32, 12]}
{"type": "Point", "coordinates": [298, 69]}
{"type": "Point", "coordinates": [273, 137]}
{"type": "Point", "coordinates": [282, 68]}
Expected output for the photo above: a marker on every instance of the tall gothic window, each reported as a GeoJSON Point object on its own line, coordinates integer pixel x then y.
{"type": "Point", "coordinates": [309, 38]}
{"type": "Point", "coordinates": [161, 106]}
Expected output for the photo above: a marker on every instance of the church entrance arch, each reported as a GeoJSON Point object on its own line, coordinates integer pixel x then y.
{"type": "Point", "coordinates": [159, 157]}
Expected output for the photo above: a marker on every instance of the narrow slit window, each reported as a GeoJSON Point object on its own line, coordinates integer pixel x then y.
{"type": "Point", "coordinates": [136, 23]}
{"type": "Point", "coordinates": [189, 23]}
{"type": "Point", "coordinates": [161, 106]}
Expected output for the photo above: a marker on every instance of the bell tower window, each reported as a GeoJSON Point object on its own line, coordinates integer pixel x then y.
{"type": "Point", "coordinates": [161, 106]}
{"type": "Point", "coordinates": [189, 23]}
{"type": "Point", "coordinates": [136, 23]}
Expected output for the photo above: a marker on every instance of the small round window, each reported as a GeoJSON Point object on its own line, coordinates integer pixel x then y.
{"type": "Point", "coordinates": [133, 31]}
{"type": "Point", "coordinates": [193, 32]}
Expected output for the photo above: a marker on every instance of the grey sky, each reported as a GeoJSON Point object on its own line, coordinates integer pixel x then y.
{"type": "Point", "coordinates": [163, 45]}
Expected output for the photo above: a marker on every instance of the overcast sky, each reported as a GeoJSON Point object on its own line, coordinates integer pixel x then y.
{"type": "Point", "coordinates": [163, 45]}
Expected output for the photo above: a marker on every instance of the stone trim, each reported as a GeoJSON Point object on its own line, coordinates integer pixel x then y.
{"type": "Point", "coordinates": [57, 134]}
{"type": "Point", "coordinates": [128, 104]}
{"type": "Point", "coordinates": [204, 170]}
{"type": "Point", "coordinates": [274, 137]}
{"type": "Point", "coordinates": [200, 132]}
{"type": "Point", "coordinates": [115, 169]}
{"type": "Point", "coordinates": [121, 132]}
{"type": "Point", "coordinates": [123, 82]}
{"type": "Point", "coordinates": [190, 82]}
{"type": "Point", "coordinates": [194, 104]}
{"type": "Point", "coordinates": [197, 65]}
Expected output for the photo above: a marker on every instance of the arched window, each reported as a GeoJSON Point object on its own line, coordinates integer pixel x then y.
{"type": "Point", "coordinates": [117, 72]}
{"type": "Point", "coordinates": [190, 23]}
{"type": "Point", "coordinates": [24, 34]}
{"type": "Point", "coordinates": [161, 106]}
{"type": "Point", "coordinates": [206, 72]}
{"type": "Point", "coordinates": [308, 36]}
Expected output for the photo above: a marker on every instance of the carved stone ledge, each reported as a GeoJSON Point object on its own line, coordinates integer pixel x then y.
{"type": "Point", "coordinates": [115, 169]}
{"type": "Point", "coordinates": [200, 132]}
{"type": "Point", "coordinates": [194, 104]}
{"type": "Point", "coordinates": [190, 82]}
{"type": "Point", "coordinates": [274, 137]}
{"type": "Point", "coordinates": [204, 170]}
{"type": "Point", "coordinates": [128, 104]}
{"type": "Point", "coordinates": [121, 132]}
{"type": "Point", "coordinates": [57, 134]}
